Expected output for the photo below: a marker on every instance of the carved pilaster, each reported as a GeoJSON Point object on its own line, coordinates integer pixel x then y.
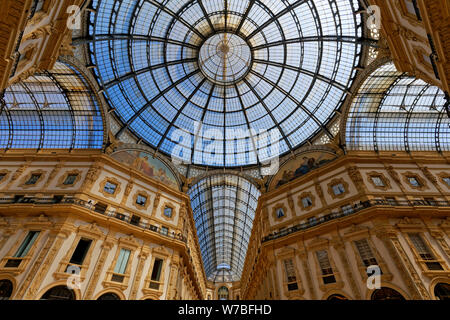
{"type": "Point", "coordinates": [127, 192]}
{"type": "Point", "coordinates": [92, 176]}
{"type": "Point", "coordinates": [439, 236]}
{"type": "Point", "coordinates": [137, 279]}
{"type": "Point", "coordinates": [156, 203]}
{"type": "Point", "coordinates": [53, 174]}
{"type": "Point", "coordinates": [303, 256]}
{"type": "Point", "coordinates": [407, 271]}
{"type": "Point", "coordinates": [35, 268]}
{"type": "Point", "coordinates": [106, 247]}
{"type": "Point", "coordinates": [16, 175]}
{"type": "Point", "coordinates": [319, 192]}
{"type": "Point", "coordinates": [5, 236]}
{"type": "Point", "coordinates": [174, 266]}
{"type": "Point", "coordinates": [339, 246]}
{"type": "Point", "coordinates": [37, 281]}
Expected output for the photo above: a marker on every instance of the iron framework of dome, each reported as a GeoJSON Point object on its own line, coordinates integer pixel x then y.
{"type": "Point", "coordinates": [53, 109]}
{"type": "Point", "coordinates": [237, 67]}
{"type": "Point", "coordinates": [394, 111]}
{"type": "Point", "coordinates": [224, 207]}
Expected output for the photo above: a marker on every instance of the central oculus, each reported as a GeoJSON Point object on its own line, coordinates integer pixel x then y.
{"type": "Point", "coordinates": [225, 58]}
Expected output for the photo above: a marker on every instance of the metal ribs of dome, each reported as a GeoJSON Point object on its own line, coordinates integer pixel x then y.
{"type": "Point", "coordinates": [146, 58]}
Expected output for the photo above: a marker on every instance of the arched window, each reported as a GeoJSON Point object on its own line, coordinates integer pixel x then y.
{"type": "Point", "coordinates": [59, 293]}
{"type": "Point", "coordinates": [223, 293]}
{"type": "Point", "coordinates": [386, 294]}
{"type": "Point", "coordinates": [109, 296]}
{"type": "Point", "coordinates": [393, 111]}
{"type": "Point", "coordinates": [6, 289]}
{"type": "Point", "coordinates": [336, 297]}
{"type": "Point", "coordinates": [54, 109]}
{"type": "Point", "coordinates": [442, 291]}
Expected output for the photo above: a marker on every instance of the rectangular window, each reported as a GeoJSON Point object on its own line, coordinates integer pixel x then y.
{"type": "Point", "coordinates": [100, 207]}
{"type": "Point", "coordinates": [157, 268]}
{"type": "Point", "coordinates": [447, 181]}
{"type": "Point", "coordinates": [291, 278]}
{"type": "Point", "coordinates": [325, 266]}
{"type": "Point", "coordinates": [365, 252]}
{"type": "Point", "coordinates": [33, 179]}
{"type": "Point", "coordinates": [312, 221]}
{"type": "Point", "coordinates": [70, 179]}
{"type": "Point", "coordinates": [414, 182]}
{"type": "Point", "coordinates": [26, 244]}
{"type": "Point", "coordinates": [347, 209]}
{"type": "Point", "coordinates": [168, 212]}
{"type": "Point", "coordinates": [122, 261]}
{"type": "Point", "coordinates": [391, 201]}
{"type": "Point", "coordinates": [280, 213]}
{"type": "Point", "coordinates": [306, 201]}
{"type": "Point", "coordinates": [110, 187]}
{"type": "Point", "coordinates": [135, 220]}
{"type": "Point", "coordinates": [378, 181]}
{"type": "Point", "coordinates": [338, 189]}
{"type": "Point", "coordinates": [430, 201]}
{"type": "Point", "coordinates": [80, 252]}
{"type": "Point", "coordinates": [141, 200]}
{"type": "Point", "coordinates": [424, 251]}
{"type": "Point", "coordinates": [165, 230]}
{"type": "Point", "coordinates": [156, 274]}
{"type": "Point", "coordinates": [290, 270]}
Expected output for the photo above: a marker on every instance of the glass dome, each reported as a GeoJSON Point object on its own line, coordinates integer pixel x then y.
{"type": "Point", "coordinates": [200, 80]}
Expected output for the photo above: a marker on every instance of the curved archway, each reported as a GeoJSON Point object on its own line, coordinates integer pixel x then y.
{"type": "Point", "coordinates": [337, 297]}
{"type": "Point", "coordinates": [393, 111]}
{"type": "Point", "coordinates": [386, 293]}
{"type": "Point", "coordinates": [109, 296]}
{"type": "Point", "coordinates": [54, 109]}
{"type": "Point", "coordinates": [223, 293]}
{"type": "Point", "coordinates": [59, 293]}
{"type": "Point", "coordinates": [442, 291]}
{"type": "Point", "coordinates": [6, 289]}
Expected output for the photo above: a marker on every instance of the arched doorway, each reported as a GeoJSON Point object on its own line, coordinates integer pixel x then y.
{"type": "Point", "coordinates": [336, 297]}
{"type": "Point", "coordinates": [109, 296]}
{"type": "Point", "coordinates": [59, 293]}
{"type": "Point", "coordinates": [6, 289]}
{"type": "Point", "coordinates": [442, 291]}
{"type": "Point", "coordinates": [386, 293]}
{"type": "Point", "coordinates": [223, 293]}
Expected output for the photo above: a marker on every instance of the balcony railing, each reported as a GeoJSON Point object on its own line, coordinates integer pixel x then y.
{"type": "Point", "coordinates": [355, 209]}
{"type": "Point", "coordinates": [95, 208]}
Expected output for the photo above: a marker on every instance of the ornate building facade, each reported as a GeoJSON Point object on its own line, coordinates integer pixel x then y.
{"type": "Point", "coordinates": [135, 162]}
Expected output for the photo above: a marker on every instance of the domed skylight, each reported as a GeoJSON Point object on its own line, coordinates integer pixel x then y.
{"type": "Point", "coordinates": [237, 67]}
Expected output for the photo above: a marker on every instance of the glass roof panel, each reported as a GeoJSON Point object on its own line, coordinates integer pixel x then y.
{"type": "Point", "coordinates": [393, 111]}
{"type": "Point", "coordinates": [51, 110]}
{"type": "Point", "coordinates": [166, 66]}
{"type": "Point", "coordinates": [224, 208]}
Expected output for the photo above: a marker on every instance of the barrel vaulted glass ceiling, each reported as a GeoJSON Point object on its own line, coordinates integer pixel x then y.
{"type": "Point", "coordinates": [51, 110]}
{"type": "Point", "coordinates": [238, 67]}
{"type": "Point", "coordinates": [224, 208]}
{"type": "Point", "coordinates": [394, 111]}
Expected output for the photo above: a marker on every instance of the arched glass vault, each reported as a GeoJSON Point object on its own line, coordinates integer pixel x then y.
{"type": "Point", "coordinates": [224, 208]}
{"type": "Point", "coordinates": [393, 111]}
{"type": "Point", "coordinates": [238, 67]}
{"type": "Point", "coordinates": [51, 110]}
